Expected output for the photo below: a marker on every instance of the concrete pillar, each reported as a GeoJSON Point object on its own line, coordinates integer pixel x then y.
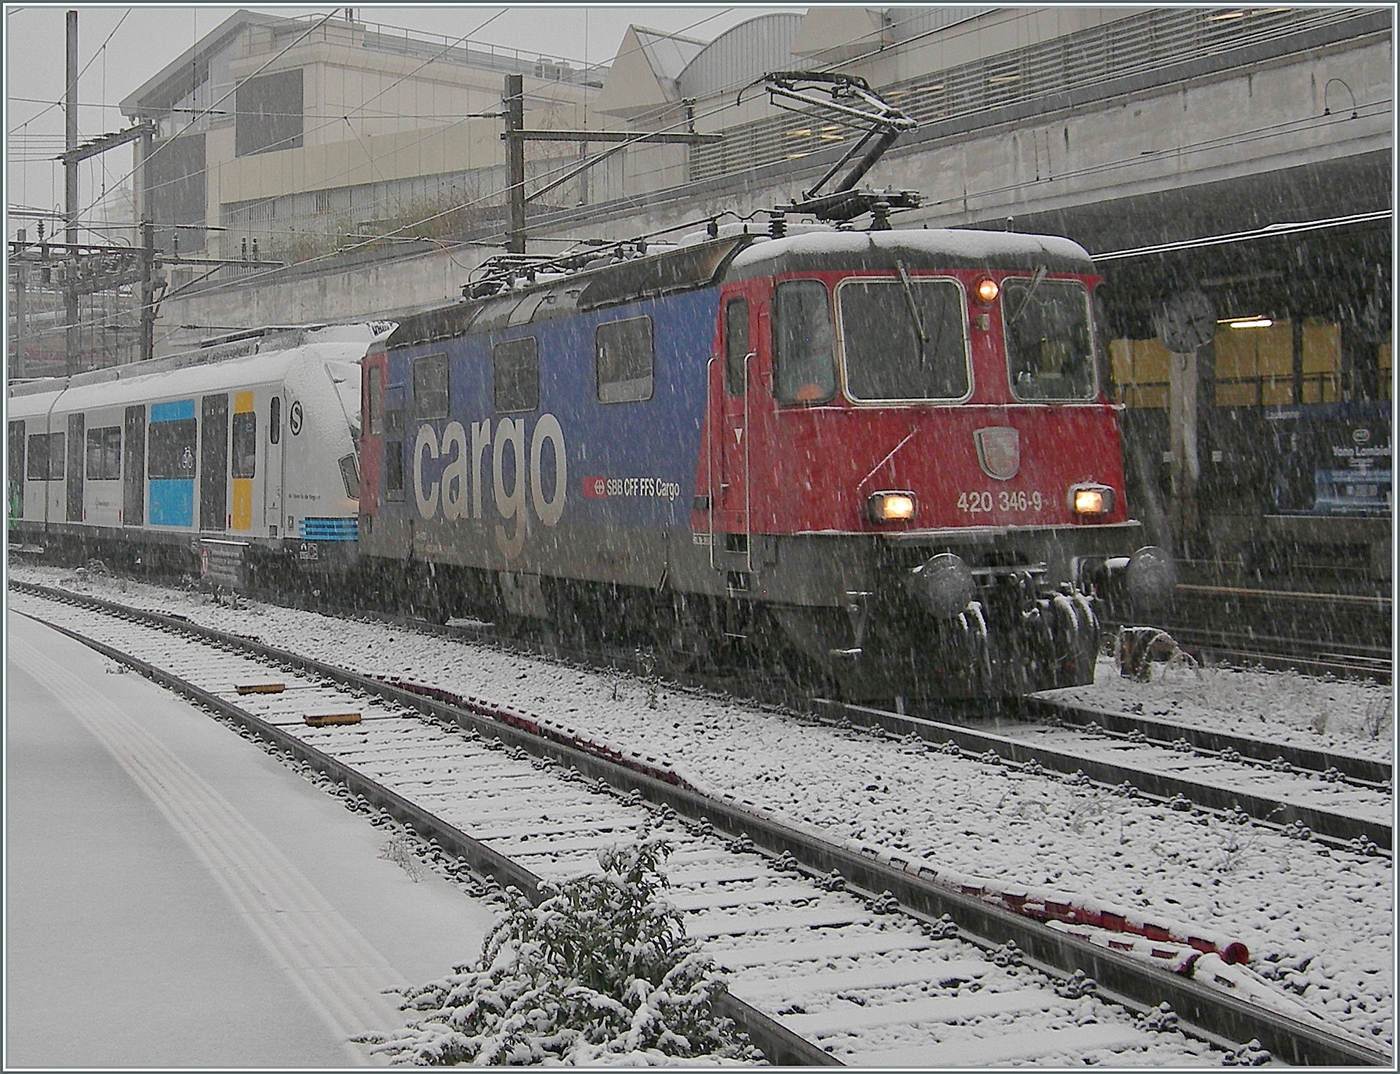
{"type": "Point", "coordinates": [1183, 408]}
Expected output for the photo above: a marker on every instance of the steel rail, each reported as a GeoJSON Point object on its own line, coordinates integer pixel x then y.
{"type": "Point", "coordinates": [1165, 733]}
{"type": "Point", "coordinates": [1330, 825]}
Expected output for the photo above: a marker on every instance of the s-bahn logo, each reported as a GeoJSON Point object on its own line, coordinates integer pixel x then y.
{"type": "Point", "coordinates": [998, 451]}
{"type": "Point", "coordinates": [526, 471]}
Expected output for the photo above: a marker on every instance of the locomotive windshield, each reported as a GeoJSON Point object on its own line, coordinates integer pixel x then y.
{"type": "Point", "coordinates": [904, 338]}
{"type": "Point", "coordinates": [1049, 345]}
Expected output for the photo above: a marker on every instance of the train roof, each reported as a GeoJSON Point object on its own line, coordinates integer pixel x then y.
{"type": "Point", "coordinates": [247, 362]}
{"type": "Point", "coordinates": [945, 248]}
{"type": "Point", "coordinates": [736, 254]}
{"type": "Point", "coordinates": [596, 286]}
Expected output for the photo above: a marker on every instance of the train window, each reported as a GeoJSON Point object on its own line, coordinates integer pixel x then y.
{"type": "Point", "coordinates": [393, 470]}
{"type": "Point", "coordinates": [736, 345]}
{"type": "Point", "coordinates": [104, 453]}
{"type": "Point", "coordinates": [804, 367]}
{"type": "Point", "coordinates": [1049, 339]}
{"type": "Point", "coordinates": [515, 375]}
{"type": "Point", "coordinates": [376, 401]}
{"type": "Point", "coordinates": [393, 410]}
{"type": "Point", "coordinates": [171, 453]}
{"type": "Point", "coordinates": [904, 338]}
{"type": "Point", "coordinates": [45, 461]}
{"type": "Point", "coordinates": [245, 444]}
{"type": "Point", "coordinates": [626, 361]}
{"type": "Point", "coordinates": [274, 420]}
{"type": "Point", "coordinates": [350, 476]}
{"type": "Point", "coordinates": [430, 386]}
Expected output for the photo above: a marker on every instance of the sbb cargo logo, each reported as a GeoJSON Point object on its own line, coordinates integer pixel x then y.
{"type": "Point", "coordinates": [601, 488]}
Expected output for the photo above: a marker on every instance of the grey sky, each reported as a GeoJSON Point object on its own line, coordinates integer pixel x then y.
{"type": "Point", "coordinates": [119, 47]}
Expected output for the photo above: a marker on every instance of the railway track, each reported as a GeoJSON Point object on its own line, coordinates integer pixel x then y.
{"type": "Point", "coordinates": [1344, 799]}
{"type": "Point", "coordinates": [871, 974]}
{"type": "Point", "coordinates": [1342, 634]}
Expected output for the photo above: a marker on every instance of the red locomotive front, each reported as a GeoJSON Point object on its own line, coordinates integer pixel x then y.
{"type": "Point", "coordinates": [911, 460]}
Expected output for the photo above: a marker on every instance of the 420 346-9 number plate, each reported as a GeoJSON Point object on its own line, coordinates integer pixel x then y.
{"type": "Point", "coordinates": [985, 502]}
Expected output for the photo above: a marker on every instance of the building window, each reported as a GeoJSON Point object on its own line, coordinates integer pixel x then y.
{"type": "Point", "coordinates": [515, 375]}
{"type": "Point", "coordinates": [268, 113]}
{"type": "Point", "coordinates": [626, 361]}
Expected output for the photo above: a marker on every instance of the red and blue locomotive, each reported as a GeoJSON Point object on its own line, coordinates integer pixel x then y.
{"type": "Point", "coordinates": [885, 456]}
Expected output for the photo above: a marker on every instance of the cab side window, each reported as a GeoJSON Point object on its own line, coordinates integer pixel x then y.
{"type": "Point", "coordinates": [804, 362]}
{"type": "Point", "coordinates": [736, 345]}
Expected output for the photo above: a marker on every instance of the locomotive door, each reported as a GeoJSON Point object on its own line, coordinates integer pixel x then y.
{"type": "Point", "coordinates": [134, 467]}
{"type": "Point", "coordinates": [213, 463]}
{"type": "Point", "coordinates": [731, 494]}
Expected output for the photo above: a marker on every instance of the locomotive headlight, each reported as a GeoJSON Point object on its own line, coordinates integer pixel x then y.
{"type": "Point", "coordinates": [986, 290]}
{"type": "Point", "coordinates": [891, 507]}
{"type": "Point", "coordinates": [1091, 500]}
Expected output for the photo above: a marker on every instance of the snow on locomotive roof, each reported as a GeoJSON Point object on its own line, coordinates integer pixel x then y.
{"type": "Point", "coordinates": [943, 247]}
{"type": "Point", "coordinates": [739, 251]}
{"type": "Point", "coordinates": [251, 361]}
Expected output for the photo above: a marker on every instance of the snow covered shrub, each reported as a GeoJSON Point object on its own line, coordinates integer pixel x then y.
{"type": "Point", "coordinates": [601, 972]}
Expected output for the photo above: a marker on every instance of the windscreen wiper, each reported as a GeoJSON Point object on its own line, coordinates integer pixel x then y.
{"type": "Point", "coordinates": [1036, 281]}
{"type": "Point", "coordinates": [914, 313]}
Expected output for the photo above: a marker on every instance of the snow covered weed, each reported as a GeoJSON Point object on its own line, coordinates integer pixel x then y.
{"type": "Point", "coordinates": [1375, 717]}
{"type": "Point", "coordinates": [400, 852]}
{"type": "Point", "coordinates": [601, 972]}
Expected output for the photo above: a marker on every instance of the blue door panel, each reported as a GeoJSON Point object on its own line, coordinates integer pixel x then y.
{"type": "Point", "coordinates": [172, 502]}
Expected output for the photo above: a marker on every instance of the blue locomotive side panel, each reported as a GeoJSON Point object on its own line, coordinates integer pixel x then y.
{"type": "Point", "coordinates": [590, 420]}
{"type": "Point", "coordinates": [172, 449]}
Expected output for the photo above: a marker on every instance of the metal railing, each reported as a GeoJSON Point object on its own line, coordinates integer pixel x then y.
{"type": "Point", "coordinates": [1139, 43]}
{"type": "Point", "coordinates": [440, 47]}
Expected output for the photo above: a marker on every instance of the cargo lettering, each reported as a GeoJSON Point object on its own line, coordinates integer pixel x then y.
{"type": "Point", "coordinates": [448, 474]}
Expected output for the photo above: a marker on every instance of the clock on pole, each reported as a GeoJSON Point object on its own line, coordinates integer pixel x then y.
{"type": "Point", "coordinates": [1185, 321]}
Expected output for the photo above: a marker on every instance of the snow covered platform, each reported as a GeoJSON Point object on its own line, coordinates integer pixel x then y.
{"type": "Point", "coordinates": [177, 898]}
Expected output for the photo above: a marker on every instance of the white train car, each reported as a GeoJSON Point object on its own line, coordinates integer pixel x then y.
{"type": "Point", "coordinates": [238, 455]}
